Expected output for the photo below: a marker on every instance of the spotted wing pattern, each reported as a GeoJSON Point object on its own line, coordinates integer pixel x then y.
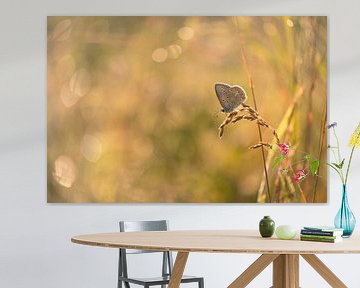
{"type": "Point", "coordinates": [230, 97]}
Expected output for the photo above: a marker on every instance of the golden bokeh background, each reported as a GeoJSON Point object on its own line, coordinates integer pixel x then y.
{"type": "Point", "coordinates": [133, 116]}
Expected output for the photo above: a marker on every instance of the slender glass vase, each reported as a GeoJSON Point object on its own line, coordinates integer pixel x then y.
{"type": "Point", "coordinates": [345, 219]}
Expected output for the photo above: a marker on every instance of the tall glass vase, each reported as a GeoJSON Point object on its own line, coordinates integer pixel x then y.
{"type": "Point", "coordinates": [345, 219]}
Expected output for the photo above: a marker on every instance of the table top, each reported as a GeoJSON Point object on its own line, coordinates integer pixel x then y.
{"type": "Point", "coordinates": [216, 241]}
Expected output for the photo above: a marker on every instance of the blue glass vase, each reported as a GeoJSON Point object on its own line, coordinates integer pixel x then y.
{"type": "Point", "coordinates": [345, 219]}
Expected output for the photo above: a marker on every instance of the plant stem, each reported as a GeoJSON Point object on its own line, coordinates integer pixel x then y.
{"type": "Point", "coordinates": [338, 146]}
{"type": "Point", "coordinates": [247, 69]}
{"type": "Point", "coordinates": [337, 171]}
{"type": "Point", "coordinates": [351, 156]}
{"type": "Point", "coordinates": [337, 142]}
{"type": "Point", "coordinates": [333, 152]}
{"type": "Point", "coordinates": [299, 187]}
{"type": "Point", "coordinates": [348, 167]}
{"type": "Point", "coordinates": [258, 125]}
{"type": "Point", "coordinates": [340, 159]}
{"type": "Point", "coordinates": [321, 145]}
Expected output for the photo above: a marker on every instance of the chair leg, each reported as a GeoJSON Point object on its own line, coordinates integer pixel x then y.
{"type": "Point", "coordinates": [201, 283]}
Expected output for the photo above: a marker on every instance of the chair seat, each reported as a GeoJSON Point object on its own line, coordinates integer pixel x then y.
{"type": "Point", "coordinates": [158, 280]}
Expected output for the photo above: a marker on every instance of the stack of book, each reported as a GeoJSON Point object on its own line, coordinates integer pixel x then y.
{"type": "Point", "coordinates": [321, 234]}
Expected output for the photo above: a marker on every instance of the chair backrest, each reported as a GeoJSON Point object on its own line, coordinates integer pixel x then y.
{"type": "Point", "coordinates": [133, 226]}
{"type": "Point", "coordinates": [137, 226]}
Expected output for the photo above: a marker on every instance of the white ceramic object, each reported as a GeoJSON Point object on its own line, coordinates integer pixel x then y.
{"type": "Point", "coordinates": [285, 232]}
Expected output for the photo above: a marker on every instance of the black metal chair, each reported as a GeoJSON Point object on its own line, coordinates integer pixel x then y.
{"type": "Point", "coordinates": [167, 265]}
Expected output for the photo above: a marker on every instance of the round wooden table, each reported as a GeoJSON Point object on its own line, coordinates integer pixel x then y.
{"type": "Point", "coordinates": [284, 254]}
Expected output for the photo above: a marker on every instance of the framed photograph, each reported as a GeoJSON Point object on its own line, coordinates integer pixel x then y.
{"type": "Point", "coordinates": [187, 109]}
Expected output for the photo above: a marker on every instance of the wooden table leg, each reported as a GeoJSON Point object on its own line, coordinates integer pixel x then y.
{"type": "Point", "coordinates": [286, 271]}
{"type": "Point", "coordinates": [178, 269]}
{"type": "Point", "coordinates": [324, 271]}
{"type": "Point", "coordinates": [253, 270]}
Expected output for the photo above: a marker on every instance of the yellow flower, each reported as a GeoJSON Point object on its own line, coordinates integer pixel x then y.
{"type": "Point", "coordinates": [355, 138]}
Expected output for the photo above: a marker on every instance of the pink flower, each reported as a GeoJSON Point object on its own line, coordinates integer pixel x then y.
{"type": "Point", "coordinates": [299, 176]}
{"type": "Point", "coordinates": [284, 148]}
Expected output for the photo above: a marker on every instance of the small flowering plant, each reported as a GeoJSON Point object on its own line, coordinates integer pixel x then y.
{"type": "Point", "coordinates": [288, 158]}
{"type": "Point", "coordinates": [299, 175]}
{"type": "Point", "coordinates": [339, 163]}
{"type": "Point", "coordinates": [284, 149]}
{"type": "Point", "coordinates": [309, 165]}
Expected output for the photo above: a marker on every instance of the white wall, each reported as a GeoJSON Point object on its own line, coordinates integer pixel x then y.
{"type": "Point", "coordinates": [35, 248]}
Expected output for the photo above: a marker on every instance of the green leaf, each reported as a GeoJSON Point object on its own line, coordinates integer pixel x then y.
{"type": "Point", "coordinates": [342, 163]}
{"type": "Point", "coordinates": [307, 157]}
{"type": "Point", "coordinates": [336, 169]}
{"type": "Point", "coordinates": [314, 167]}
{"type": "Point", "coordinates": [336, 165]}
{"type": "Point", "coordinates": [277, 161]}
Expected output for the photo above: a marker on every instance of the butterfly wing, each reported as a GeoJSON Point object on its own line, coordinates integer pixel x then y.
{"type": "Point", "coordinates": [230, 97]}
{"type": "Point", "coordinates": [239, 95]}
{"type": "Point", "coordinates": [224, 95]}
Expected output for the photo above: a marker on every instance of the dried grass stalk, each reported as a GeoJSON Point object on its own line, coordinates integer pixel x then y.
{"type": "Point", "coordinates": [249, 114]}
{"type": "Point", "coordinates": [261, 144]}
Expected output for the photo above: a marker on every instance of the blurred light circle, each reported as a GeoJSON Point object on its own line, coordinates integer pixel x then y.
{"type": "Point", "coordinates": [160, 55]}
{"type": "Point", "coordinates": [68, 98]}
{"type": "Point", "coordinates": [290, 23]}
{"type": "Point", "coordinates": [65, 171]}
{"type": "Point", "coordinates": [91, 148]}
{"type": "Point", "coordinates": [80, 82]}
{"type": "Point", "coordinates": [174, 51]}
{"type": "Point", "coordinates": [185, 33]}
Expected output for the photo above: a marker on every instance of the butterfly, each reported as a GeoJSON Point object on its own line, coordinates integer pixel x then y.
{"type": "Point", "coordinates": [230, 97]}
